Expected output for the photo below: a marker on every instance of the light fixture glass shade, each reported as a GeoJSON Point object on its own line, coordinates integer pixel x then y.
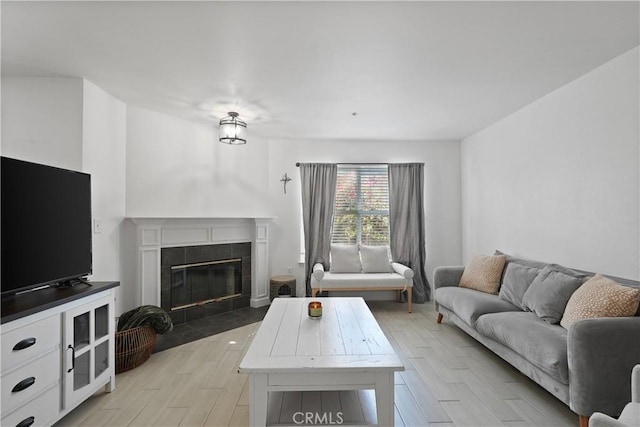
{"type": "Point", "coordinates": [233, 130]}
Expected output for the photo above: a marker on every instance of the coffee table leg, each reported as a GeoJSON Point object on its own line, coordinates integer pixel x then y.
{"type": "Point", "coordinates": [385, 398]}
{"type": "Point", "coordinates": [258, 400]}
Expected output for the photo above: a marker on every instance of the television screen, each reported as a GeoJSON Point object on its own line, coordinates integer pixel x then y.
{"type": "Point", "coordinates": [45, 225]}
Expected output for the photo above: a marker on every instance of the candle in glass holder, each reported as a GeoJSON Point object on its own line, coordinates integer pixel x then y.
{"type": "Point", "coordinates": [315, 309]}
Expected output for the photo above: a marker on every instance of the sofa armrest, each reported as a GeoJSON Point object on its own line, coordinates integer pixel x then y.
{"type": "Point", "coordinates": [601, 355]}
{"type": "Point", "coordinates": [402, 270]}
{"type": "Point", "coordinates": [318, 271]}
{"type": "Point", "coordinates": [447, 276]}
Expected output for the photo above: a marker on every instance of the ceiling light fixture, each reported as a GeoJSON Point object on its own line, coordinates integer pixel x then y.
{"type": "Point", "coordinates": [233, 131]}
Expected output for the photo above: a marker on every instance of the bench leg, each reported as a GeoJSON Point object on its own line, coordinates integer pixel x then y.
{"type": "Point", "coordinates": [314, 292]}
{"type": "Point", "coordinates": [439, 319]}
{"type": "Point", "coordinates": [398, 295]}
{"type": "Point", "coordinates": [583, 421]}
{"type": "Point", "coordinates": [409, 291]}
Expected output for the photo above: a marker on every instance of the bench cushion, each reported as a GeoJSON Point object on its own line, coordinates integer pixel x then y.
{"type": "Point", "coordinates": [361, 280]}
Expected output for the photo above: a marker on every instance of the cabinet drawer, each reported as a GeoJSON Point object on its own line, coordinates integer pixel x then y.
{"type": "Point", "coordinates": [44, 409]}
{"type": "Point", "coordinates": [33, 378]}
{"type": "Point", "coordinates": [44, 334]}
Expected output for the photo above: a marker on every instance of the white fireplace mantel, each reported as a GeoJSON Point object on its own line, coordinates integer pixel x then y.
{"type": "Point", "coordinates": [153, 234]}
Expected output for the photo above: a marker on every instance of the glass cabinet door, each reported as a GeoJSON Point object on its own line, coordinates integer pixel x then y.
{"type": "Point", "coordinates": [88, 348]}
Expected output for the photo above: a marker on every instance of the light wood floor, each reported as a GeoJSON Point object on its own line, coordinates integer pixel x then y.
{"type": "Point", "coordinates": [450, 380]}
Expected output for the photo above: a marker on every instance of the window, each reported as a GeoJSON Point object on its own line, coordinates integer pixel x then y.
{"type": "Point", "coordinates": [361, 211]}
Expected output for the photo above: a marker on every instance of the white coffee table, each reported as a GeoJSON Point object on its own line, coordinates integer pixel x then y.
{"type": "Point", "coordinates": [343, 350]}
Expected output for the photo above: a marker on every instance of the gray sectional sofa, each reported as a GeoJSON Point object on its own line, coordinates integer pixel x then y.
{"type": "Point", "coordinates": [587, 366]}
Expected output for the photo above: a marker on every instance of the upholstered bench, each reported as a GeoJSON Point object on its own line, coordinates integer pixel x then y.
{"type": "Point", "coordinates": [348, 273]}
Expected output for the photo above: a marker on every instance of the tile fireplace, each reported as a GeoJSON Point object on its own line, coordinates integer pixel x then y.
{"type": "Point", "coordinates": [201, 281]}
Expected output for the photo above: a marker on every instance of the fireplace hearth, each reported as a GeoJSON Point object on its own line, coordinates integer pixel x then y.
{"type": "Point", "coordinates": [201, 281]}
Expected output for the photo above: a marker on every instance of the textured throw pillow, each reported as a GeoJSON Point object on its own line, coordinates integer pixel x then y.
{"type": "Point", "coordinates": [549, 293]}
{"type": "Point", "coordinates": [345, 259]}
{"type": "Point", "coordinates": [600, 297]}
{"type": "Point", "coordinates": [515, 283]}
{"type": "Point", "coordinates": [483, 273]}
{"type": "Point", "coordinates": [375, 259]}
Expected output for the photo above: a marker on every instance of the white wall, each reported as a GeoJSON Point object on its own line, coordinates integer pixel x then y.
{"type": "Point", "coordinates": [559, 180]}
{"type": "Point", "coordinates": [177, 168]}
{"type": "Point", "coordinates": [73, 124]}
{"type": "Point", "coordinates": [103, 156]}
{"type": "Point", "coordinates": [442, 193]}
{"type": "Point", "coordinates": [42, 120]}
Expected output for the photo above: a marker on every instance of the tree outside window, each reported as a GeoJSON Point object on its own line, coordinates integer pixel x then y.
{"type": "Point", "coordinates": [361, 211]}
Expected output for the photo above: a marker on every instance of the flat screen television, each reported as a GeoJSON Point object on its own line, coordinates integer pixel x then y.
{"type": "Point", "coordinates": [45, 225]}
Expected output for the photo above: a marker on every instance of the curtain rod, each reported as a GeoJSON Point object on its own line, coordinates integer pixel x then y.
{"type": "Point", "coordinates": [353, 163]}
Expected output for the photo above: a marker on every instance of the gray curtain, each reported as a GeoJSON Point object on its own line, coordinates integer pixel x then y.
{"type": "Point", "coordinates": [318, 181]}
{"type": "Point", "coordinates": [406, 216]}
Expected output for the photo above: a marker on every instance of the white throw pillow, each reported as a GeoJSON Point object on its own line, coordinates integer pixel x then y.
{"type": "Point", "coordinates": [375, 259]}
{"type": "Point", "coordinates": [345, 259]}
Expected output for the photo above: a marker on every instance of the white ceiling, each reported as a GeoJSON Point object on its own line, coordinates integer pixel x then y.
{"type": "Point", "coordinates": [411, 70]}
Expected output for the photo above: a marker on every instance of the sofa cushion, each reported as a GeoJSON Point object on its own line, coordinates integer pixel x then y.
{"type": "Point", "coordinates": [375, 259]}
{"type": "Point", "coordinates": [345, 259]}
{"type": "Point", "coordinates": [600, 297]}
{"type": "Point", "coordinates": [549, 293]}
{"type": "Point", "coordinates": [539, 264]}
{"type": "Point", "coordinates": [517, 279]}
{"type": "Point", "coordinates": [522, 261]}
{"type": "Point", "coordinates": [469, 304]}
{"type": "Point", "coordinates": [542, 344]}
{"type": "Point", "coordinates": [483, 273]}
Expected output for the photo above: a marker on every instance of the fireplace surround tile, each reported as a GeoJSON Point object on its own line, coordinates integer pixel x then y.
{"type": "Point", "coordinates": [209, 252]}
{"type": "Point", "coordinates": [241, 250]}
{"type": "Point", "coordinates": [246, 266]}
{"type": "Point", "coordinates": [173, 256]}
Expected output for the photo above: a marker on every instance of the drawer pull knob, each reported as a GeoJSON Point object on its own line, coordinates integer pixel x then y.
{"type": "Point", "coordinates": [25, 383]}
{"type": "Point", "coordinates": [25, 343]}
{"type": "Point", "coordinates": [26, 422]}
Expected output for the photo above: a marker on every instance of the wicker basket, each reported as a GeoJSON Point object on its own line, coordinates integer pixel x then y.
{"type": "Point", "coordinates": [133, 347]}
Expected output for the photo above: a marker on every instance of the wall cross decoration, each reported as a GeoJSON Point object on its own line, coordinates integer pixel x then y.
{"type": "Point", "coordinates": [284, 180]}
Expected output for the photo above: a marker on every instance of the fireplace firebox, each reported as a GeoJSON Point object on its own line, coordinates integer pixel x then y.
{"type": "Point", "coordinates": [205, 282]}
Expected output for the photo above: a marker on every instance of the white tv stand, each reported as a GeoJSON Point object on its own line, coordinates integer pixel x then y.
{"type": "Point", "coordinates": [57, 349]}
